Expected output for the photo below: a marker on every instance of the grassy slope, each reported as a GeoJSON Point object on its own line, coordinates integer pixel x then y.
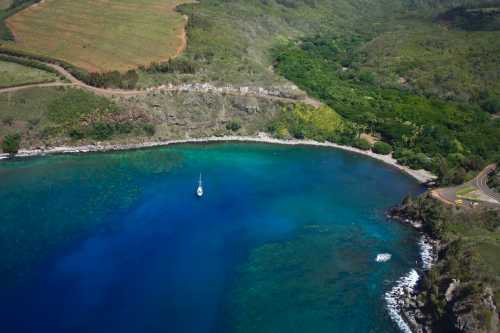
{"type": "Point", "coordinates": [230, 41]}
{"type": "Point", "coordinates": [12, 74]}
{"type": "Point", "coordinates": [98, 35]}
{"type": "Point", "coordinates": [51, 116]}
{"type": "Point", "coordinates": [66, 116]}
{"type": "Point", "coordinates": [487, 244]}
{"type": "Point", "coordinates": [435, 59]}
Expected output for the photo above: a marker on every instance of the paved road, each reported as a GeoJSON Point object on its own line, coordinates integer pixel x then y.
{"type": "Point", "coordinates": [481, 182]}
{"type": "Point", "coordinates": [448, 195]}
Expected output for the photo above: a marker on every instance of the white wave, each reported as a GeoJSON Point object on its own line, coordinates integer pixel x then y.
{"type": "Point", "coordinates": [383, 257]}
{"type": "Point", "coordinates": [395, 298]}
{"type": "Point", "coordinates": [426, 252]}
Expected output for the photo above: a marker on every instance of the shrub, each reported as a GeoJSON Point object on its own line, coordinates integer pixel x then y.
{"type": "Point", "coordinates": [362, 144]}
{"type": "Point", "coordinates": [367, 77]}
{"type": "Point", "coordinates": [382, 148]}
{"type": "Point", "coordinates": [491, 105]}
{"type": "Point", "coordinates": [182, 66]}
{"type": "Point", "coordinates": [76, 134]}
{"type": "Point", "coordinates": [11, 143]}
{"type": "Point", "coordinates": [304, 121]}
{"type": "Point", "coordinates": [149, 129]}
{"type": "Point", "coordinates": [233, 125]}
{"type": "Point", "coordinates": [282, 133]}
{"type": "Point", "coordinates": [124, 128]}
{"type": "Point", "coordinates": [75, 104]}
{"type": "Point", "coordinates": [101, 131]}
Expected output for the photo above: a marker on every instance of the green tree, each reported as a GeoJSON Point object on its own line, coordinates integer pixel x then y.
{"type": "Point", "coordinates": [382, 148]}
{"type": "Point", "coordinates": [233, 125]}
{"type": "Point", "coordinates": [491, 105]}
{"type": "Point", "coordinates": [149, 129]}
{"type": "Point", "coordinates": [11, 143]}
{"type": "Point", "coordinates": [362, 144]}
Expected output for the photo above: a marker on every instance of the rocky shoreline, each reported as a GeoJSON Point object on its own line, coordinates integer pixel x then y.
{"type": "Point", "coordinates": [402, 301]}
{"type": "Point", "coordinates": [422, 176]}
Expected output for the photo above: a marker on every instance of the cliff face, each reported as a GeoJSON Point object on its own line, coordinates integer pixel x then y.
{"type": "Point", "coordinates": [458, 294]}
{"type": "Point", "coordinates": [178, 115]}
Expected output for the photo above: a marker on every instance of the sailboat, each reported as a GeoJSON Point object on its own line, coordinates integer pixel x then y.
{"type": "Point", "coordinates": [199, 190]}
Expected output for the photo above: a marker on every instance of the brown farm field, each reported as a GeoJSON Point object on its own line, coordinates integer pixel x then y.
{"type": "Point", "coordinates": [101, 35]}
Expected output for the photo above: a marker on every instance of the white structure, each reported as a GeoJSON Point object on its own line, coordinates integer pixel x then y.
{"type": "Point", "coordinates": [199, 190]}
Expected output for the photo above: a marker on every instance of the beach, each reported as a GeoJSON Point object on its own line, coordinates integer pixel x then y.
{"type": "Point", "coordinates": [422, 176]}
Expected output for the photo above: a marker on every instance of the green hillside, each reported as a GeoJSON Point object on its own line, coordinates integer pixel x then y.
{"type": "Point", "coordinates": [230, 41]}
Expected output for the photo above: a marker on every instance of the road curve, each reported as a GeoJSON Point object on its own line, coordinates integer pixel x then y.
{"type": "Point", "coordinates": [481, 182]}
{"type": "Point", "coordinates": [74, 82]}
{"type": "Point", "coordinates": [448, 195]}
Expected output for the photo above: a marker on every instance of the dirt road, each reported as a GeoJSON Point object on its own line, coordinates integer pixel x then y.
{"type": "Point", "coordinates": [74, 82]}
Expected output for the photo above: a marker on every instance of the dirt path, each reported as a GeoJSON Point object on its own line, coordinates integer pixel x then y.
{"type": "Point", "coordinates": [183, 38]}
{"type": "Point", "coordinates": [36, 85]}
{"type": "Point", "coordinates": [74, 82]}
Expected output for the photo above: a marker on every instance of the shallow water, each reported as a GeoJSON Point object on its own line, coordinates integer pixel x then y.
{"type": "Point", "coordinates": [284, 240]}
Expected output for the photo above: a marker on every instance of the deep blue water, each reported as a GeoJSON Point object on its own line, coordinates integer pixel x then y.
{"type": "Point", "coordinates": [284, 240]}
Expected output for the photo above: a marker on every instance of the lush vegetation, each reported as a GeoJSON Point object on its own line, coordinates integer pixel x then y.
{"type": "Point", "coordinates": [48, 115]}
{"type": "Point", "coordinates": [80, 115]}
{"type": "Point", "coordinates": [448, 138]}
{"type": "Point", "coordinates": [11, 143]}
{"type": "Point", "coordinates": [470, 244]}
{"type": "Point", "coordinates": [494, 180]}
{"type": "Point", "coordinates": [362, 144]}
{"type": "Point", "coordinates": [229, 41]}
{"type": "Point", "coordinates": [233, 125]}
{"type": "Point", "coordinates": [479, 18]}
{"type": "Point", "coordinates": [303, 121]}
{"type": "Point", "coordinates": [424, 56]}
{"type": "Point", "coordinates": [382, 148]}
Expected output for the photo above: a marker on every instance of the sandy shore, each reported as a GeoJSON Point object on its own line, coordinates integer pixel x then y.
{"type": "Point", "coordinates": [421, 176]}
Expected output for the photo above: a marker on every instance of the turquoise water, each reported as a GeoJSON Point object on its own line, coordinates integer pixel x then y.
{"type": "Point", "coordinates": [284, 240]}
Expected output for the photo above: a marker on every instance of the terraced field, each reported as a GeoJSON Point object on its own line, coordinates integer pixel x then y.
{"type": "Point", "coordinates": [101, 35]}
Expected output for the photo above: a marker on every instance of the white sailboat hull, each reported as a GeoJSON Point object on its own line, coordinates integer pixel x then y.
{"type": "Point", "coordinates": [199, 192]}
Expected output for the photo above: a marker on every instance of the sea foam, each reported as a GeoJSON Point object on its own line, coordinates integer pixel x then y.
{"type": "Point", "coordinates": [426, 252]}
{"type": "Point", "coordinates": [383, 257]}
{"type": "Point", "coordinates": [395, 297]}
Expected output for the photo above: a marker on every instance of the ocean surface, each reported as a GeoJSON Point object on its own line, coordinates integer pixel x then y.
{"type": "Point", "coordinates": [284, 240]}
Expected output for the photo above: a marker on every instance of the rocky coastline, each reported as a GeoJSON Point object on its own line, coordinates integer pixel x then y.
{"type": "Point", "coordinates": [432, 297]}
{"type": "Point", "coordinates": [403, 301]}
